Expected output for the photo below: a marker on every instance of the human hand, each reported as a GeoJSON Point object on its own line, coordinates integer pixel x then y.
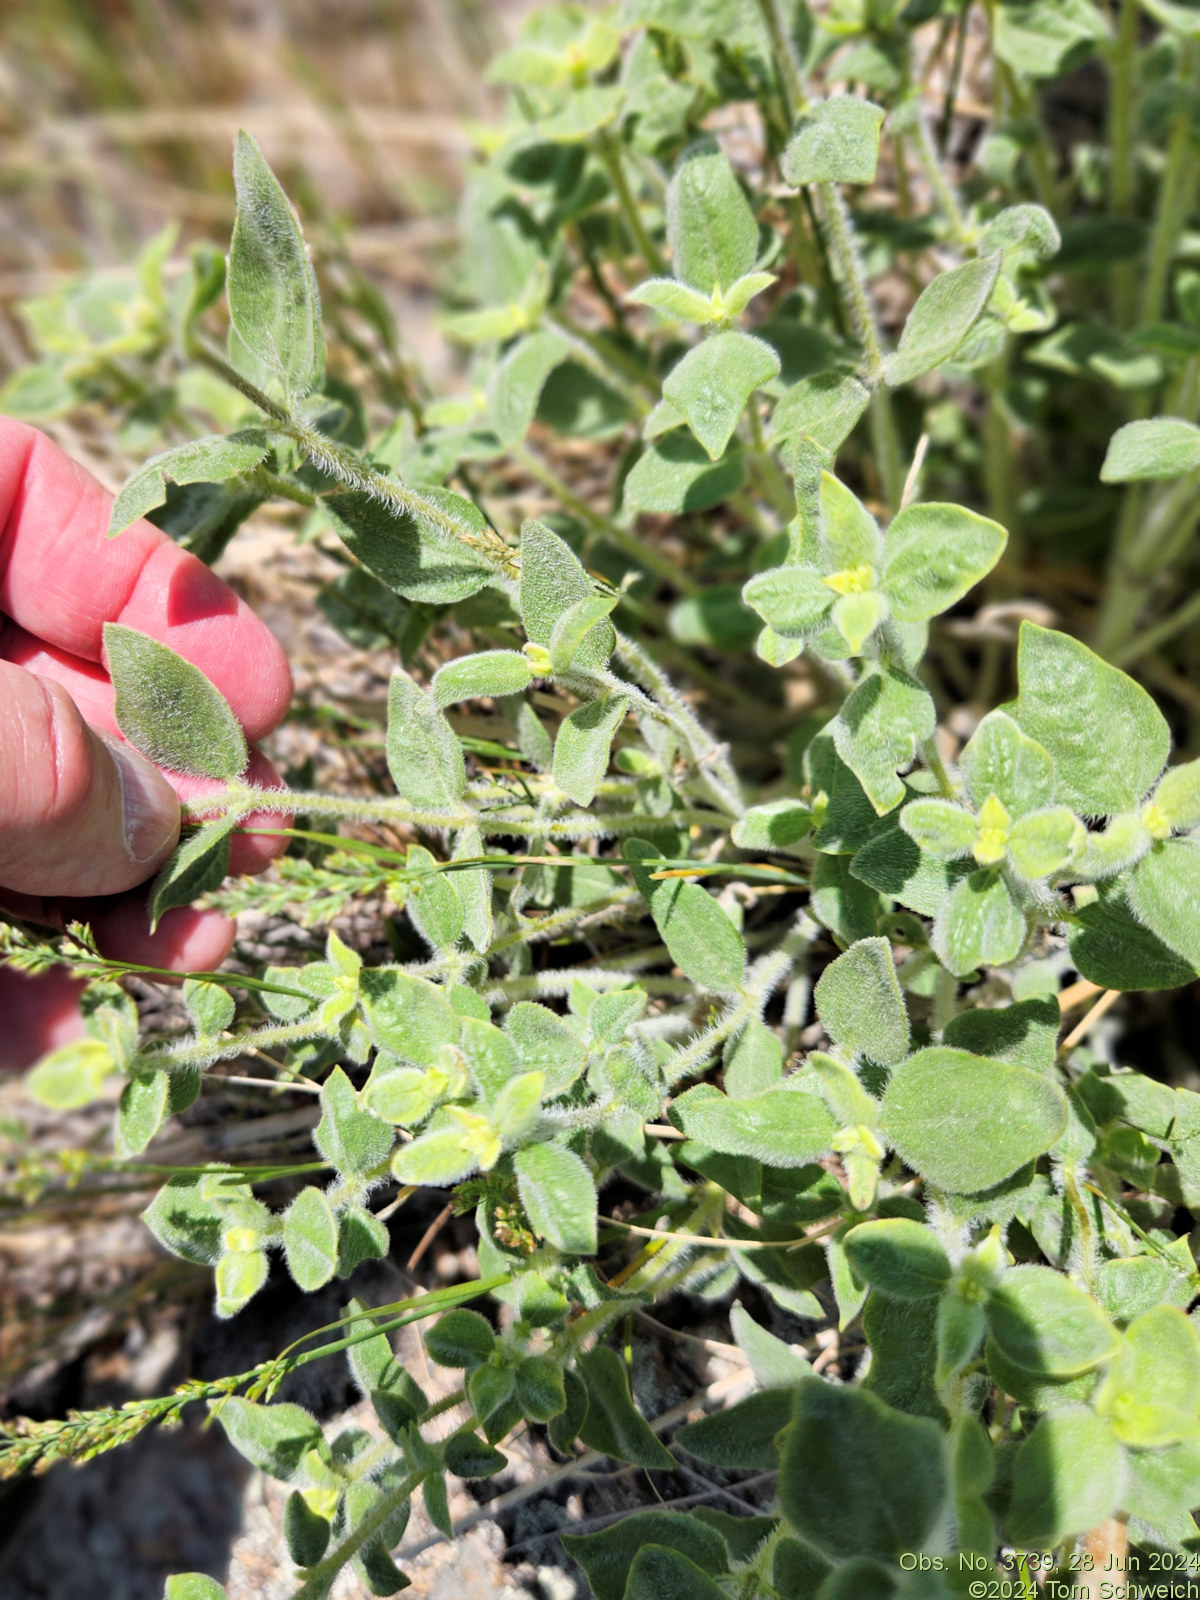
{"type": "Point", "coordinates": [84, 818]}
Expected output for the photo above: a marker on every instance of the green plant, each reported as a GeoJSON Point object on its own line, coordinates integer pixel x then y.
{"type": "Point", "coordinates": [995, 1208]}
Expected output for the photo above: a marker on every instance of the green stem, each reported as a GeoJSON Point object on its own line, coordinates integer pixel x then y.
{"type": "Point", "coordinates": [1122, 66]}
{"type": "Point", "coordinates": [600, 357]}
{"type": "Point", "coordinates": [998, 457]}
{"type": "Point", "coordinates": [1151, 638]}
{"type": "Point", "coordinates": [1123, 597]}
{"type": "Point", "coordinates": [943, 190]}
{"type": "Point", "coordinates": [856, 297]}
{"type": "Point", "coordinates": [791, 80]}
{"type": "Point", "coordinates": [851, 279]}
{"type": "Point", "coordinates": [341, 463]}
{"type": "Point", "coordinates": [216, 363]}
{"type": "Point", "coordinates": [1167, 527]}
{"type": "Point", "coordinates": [582, 824]}
{"type": "Point", "coordinates": [766, 975]}
{"type": "Point", "coordinates": [1183, 395]}
{"type": "Point", "coordinates": [318, 1577]}
{"type": "Point", "coordinates": [775, 485]}
{"type": "Point", "coordinates": [282, 488]}
{"type": "Point", "coordinates": [1025, 106]}
{"type": "Point", "coordinates": [1175, 195]}
{"type": "Point", "coordinates": [706, 753]}
{"type": "Point", "coordinates": [806, 252]}
{"type": "Point", "coordinates": [610, 154]}
{"type": "Point", "coordinates": [931, 758]}
{"type": "Point", "coordinates": [885, 445]}
{"type": "Point", "coordinates": [185, 1054]}
{"type": "Point", "coordinates": [623, 902]}
{"type": "Point", "coordinates": [1148, 541]}
{"type": "Point", "coordinates": [1087, 1233]}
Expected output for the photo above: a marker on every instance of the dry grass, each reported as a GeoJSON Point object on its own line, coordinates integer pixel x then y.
{"type": "Point", "coordinates": [116, 118]}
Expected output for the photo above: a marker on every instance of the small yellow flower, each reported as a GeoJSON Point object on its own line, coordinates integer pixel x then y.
{"type": "Point", "coordinates": [1156, 821]}
{"type": "Point", "coordinates": [479, 1138]}
{"type": "Point", "coordinates": [991, 842]}
{"type": "Point", "coordinates": [852, 580]}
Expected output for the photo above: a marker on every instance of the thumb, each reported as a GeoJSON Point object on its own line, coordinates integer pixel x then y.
{"type": "Point", "coordinates": [79, 815]}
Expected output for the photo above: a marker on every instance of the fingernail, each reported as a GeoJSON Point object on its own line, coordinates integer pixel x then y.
{"type": "Point", "coordinates": [149, 805]}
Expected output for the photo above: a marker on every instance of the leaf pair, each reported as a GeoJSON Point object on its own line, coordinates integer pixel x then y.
{"type": "Point", "coordinates": [931, 556]}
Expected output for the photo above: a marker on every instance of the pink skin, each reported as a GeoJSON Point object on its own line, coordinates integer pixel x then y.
{"type": "Point", "coordinates": [61, 579]}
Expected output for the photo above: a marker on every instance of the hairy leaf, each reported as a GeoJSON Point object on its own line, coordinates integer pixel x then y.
{"type": "Point", "coordinates": [700, 937]}
{"type": "Point", "coordinates": [674, 300]}
{"type": "Point", "coordinates": [1151, 1393]}
{"type": "Point", "coordinates": [1167, 447]}
{"type": "Point", "coordinates": [939, 1112]}
{"type": "Point", "coordinates": [856, 1477]}
{"type": "Point", "coordinates": [943, 316]}
{"type": "Point", "coordinates": [978, 925]}
{"type": "Point", "coordinates": [1109, 946]}
{"type": "Point", "coordinates": [824, 408]}
{"type": "Point", "coordinates": [273, 300]}
{"type": "Point", "coordinates": [999, 759]}
{"type": "Point", "coordinates": [782, 1127]}
{"type": "Point", "coordinates": [584, 744]}
{"type": "Point", "coordinates": [213, 459]}
{"type": "Point", "coordinates": [1112, 745]}
{"type": "Point", "coordinates": [274, 1438]}
{"type": "Point", "coordinates": [515, 386]}
{"type": "Point", "coordinates": [461, 1338]}
{"type": "Point", "coordinates": [878, 730]}
{"type": "Point", "coordinates": [837, 141]}
{"type": "Point", "coordinates": [167, 707]}
{"type": "Point", "coordinates": [143, 1107]}
{"type": "Point", "coordinates": [899, 1256]}
{"type": "Point", "coordinates": [491, 673]}
{"type": "Point", "coordinates": [71, 1076]}
{"type": "Point", "coordinates": [424, 757]}
{"type": "Point", "coordinates": [710, 228]}
{"type": "Point", "coordinates": [552, 580]}
{"type": "Point", "coordinates": [1067, 1478]}
{"type": "Point", "coordinates": [932, 555]}
{"type": "Point", "coordinates": [660, 1574]}
{"type": "Point", "coordinates": [794, 601]}
{"type": "Point", "coordinates": [559, 1196]}
{"type": "Point", "coordinates": [711, 385]}
{"type": "Point", "coordinates": [606, 1556]}
{"type": "Point", "coordinates": [433, 559]}
{"type": "Point", "coordinates": [352, 1138]}
{"type": "Point", "coordinates": [1047, 1326]}
{"type": "Point", "coordinates": [310, 1239]}
{"type": "Point", "coordinates": [858, 999]}
{"type": "Point", "coordinates": [675, 474]}
{"type": "Point", "coordinates": [1163, 891]}
{"type": "Point", "coordinates": [614, 1426]}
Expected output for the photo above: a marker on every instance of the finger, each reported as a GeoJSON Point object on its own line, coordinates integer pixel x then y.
{"type": "Point", "coordinates": [77, 815]}
{"type": "Point", "coordinates": [186, 940]}
{"type": "Point", "coordinates": [91, 690]}
{"type": "Point", "coordinates": [62, 579]}
{"type": "Point", "coordinates": [41, 1013]}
